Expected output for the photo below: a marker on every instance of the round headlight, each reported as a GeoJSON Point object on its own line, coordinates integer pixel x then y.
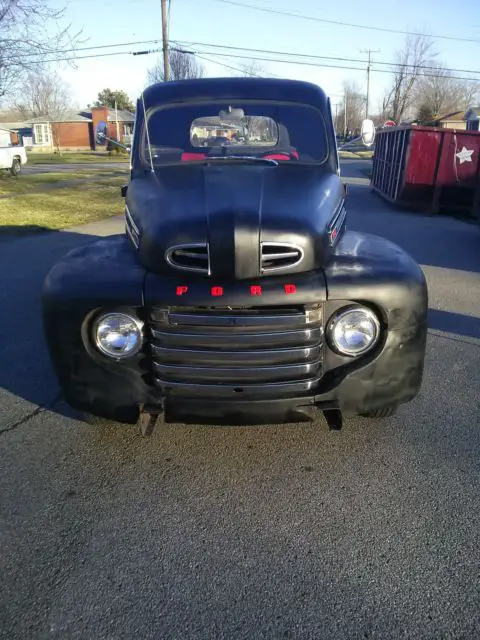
{"type": "Point", "coordinates": [118, 335]}
{"type": "Point", "coordinates": [353, 331]}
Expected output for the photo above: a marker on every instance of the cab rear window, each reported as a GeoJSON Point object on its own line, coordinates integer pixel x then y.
{"type": "Point", "coordinates": [283, 131]}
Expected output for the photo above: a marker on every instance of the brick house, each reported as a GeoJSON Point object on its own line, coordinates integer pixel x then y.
{"type": "Point", "coordinates": [76, 131]}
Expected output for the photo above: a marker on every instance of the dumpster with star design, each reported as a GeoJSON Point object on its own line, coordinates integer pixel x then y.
{"type": "Point", "coordinates": [428, 168]}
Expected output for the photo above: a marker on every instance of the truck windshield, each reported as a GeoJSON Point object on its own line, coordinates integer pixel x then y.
{"type": "Point", "coordinates": [271, 130]}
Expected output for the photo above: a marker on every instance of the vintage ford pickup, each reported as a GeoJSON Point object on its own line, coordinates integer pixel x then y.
{"type": "Point", "coordinates": [236, 293]}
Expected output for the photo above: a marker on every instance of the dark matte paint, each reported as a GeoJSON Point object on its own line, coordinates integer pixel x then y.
{"type": "Point", "coordinates": [107, 275]}
{"type": "Point", "coordinates": [234, 208]}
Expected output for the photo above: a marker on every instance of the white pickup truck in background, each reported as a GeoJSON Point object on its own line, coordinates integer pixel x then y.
{"type": "Point", "coordinates": [12, 158]}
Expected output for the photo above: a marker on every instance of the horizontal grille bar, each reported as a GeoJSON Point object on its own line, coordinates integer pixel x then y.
{"type": "Point", "coordinates": [228, 358]}
{"type": "Point", "coordinates": [250, 391]}
{"type": "Point", "coordinates": [233, 340]}
{"type": "Point", "coordinates": [212, 320]}
{"type": "Point", "coordinates": [215, 374]}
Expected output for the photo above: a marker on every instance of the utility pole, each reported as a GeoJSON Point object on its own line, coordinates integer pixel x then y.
{"type": "Point", "coordinates": [166, 67]}
{"type": "Point", "coordinates": [345, 114]}
{"type": "Point", "coordinates": [369, 65]}
{"type": "Point", "coordinates": [116, 120]}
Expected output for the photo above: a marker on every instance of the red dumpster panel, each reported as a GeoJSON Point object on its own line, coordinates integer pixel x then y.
{"type": "Point", "coordinates": [422, 159]}
{"type": "Point", "coordinates": [459, 161]}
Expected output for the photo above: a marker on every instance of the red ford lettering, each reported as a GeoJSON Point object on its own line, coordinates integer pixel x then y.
{"type": "Point", "coordinates": [290, 288]}
{"type": "Point", "coordinates": [255, 290]}
{"type": "Point", "coordinates": [181, 290]}
{"type": "Point", "coordinates": [217, 291]}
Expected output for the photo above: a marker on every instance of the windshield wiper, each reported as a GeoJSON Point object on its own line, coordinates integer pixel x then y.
{"type": "Point", "coordinates": [254, 159]}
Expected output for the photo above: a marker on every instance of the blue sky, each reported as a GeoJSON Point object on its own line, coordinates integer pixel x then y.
{"type": "Point", "coordinates": [214, 22]}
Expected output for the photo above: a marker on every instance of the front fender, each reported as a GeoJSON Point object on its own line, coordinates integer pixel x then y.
{"type": "Point", "coordinates": [104, 273]}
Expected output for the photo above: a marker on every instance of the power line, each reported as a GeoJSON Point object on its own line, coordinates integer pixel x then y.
{"type": "Point", "coordinates": [263, 59]}
{"type": "Point", "coordinates": [318, 57]}
{"type": "Point", "coordinates": [330, 66]}
{"type": "Point", "coordinates": [97, 55]}
{"type": "Point", "coordinates": [290, 14]}
{"type": "Point", "coordinates": [101, 46]}
{"type": "Point", "coordinates": [227, 66]}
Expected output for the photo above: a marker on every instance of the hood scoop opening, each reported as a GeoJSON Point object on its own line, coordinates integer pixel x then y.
{"type": "Point", "coordinates": [189, 257]}
{"type": "Point", "coordinates": [275, 256]}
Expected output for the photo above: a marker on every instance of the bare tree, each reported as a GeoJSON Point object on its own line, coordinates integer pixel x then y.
{"type": "Point", "coordinates": [354, 103]}
{"type": "Point", "coordinates": [399, 98]}
{"type": "Point", "coordinates": [45, 95]}
{"type": "Point", "coordinates": [183, 66]}
{"type": "Point", "coordinates": [252, 68]}
{"type": "Point", "coordinates": [438, 93]}
{"type": "Point", "coordinates": [27, 38]}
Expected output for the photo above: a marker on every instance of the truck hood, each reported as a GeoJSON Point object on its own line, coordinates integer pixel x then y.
{"type": "Point", "coordinates": [235, 221]}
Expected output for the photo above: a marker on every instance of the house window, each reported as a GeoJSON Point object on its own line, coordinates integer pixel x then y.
{"type": "Point", "coordinates": [42, 133]}
{"type": "Point", "coordinates": [127, 129]}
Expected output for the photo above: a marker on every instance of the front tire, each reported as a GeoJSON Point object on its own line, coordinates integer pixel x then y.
{"type": "Point", "coordinates": [16, 167]}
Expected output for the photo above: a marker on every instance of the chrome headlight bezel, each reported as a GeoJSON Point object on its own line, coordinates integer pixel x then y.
{"type": "Point", "coordinates": [340, 316]}
{"type": "Point", "coordinates": [137, 326]}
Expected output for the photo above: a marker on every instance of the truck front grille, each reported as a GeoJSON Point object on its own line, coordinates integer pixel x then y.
{"type": "Point", "coordinates": [222, 352]}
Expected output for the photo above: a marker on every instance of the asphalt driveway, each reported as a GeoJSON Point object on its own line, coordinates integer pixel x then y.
{"type": "Point", "coordinates": [270, 532]}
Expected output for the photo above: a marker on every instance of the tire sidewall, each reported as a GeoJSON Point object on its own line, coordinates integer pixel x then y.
{"type": "Point", "coordinates": [16, 167]}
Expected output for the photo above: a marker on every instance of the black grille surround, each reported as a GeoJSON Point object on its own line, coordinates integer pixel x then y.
{"type": "Point", "coordinates": [236, 353]}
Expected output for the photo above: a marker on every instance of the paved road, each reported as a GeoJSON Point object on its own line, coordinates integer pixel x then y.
{"type": "Point", "coordinates": [271, 532]}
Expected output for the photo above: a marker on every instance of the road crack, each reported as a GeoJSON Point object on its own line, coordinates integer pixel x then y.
{"type": "Point", "coordinates": [40, 409]}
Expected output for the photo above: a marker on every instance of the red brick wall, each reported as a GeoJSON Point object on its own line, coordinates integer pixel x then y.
{"type": "Point", "coordinates": [71, 135]}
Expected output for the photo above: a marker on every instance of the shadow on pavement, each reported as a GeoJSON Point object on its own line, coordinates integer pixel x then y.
{"type": "Point", "coordinates": [436, 240]}
{"type": "Point", "coordinates": [25, 369]}
{"type": "Point", "coordinates": [461, 325]}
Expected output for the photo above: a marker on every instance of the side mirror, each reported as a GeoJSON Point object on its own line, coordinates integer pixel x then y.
{"type": "Point", "coordinates": [123, 190]}
{"type": "Point", "coordinates": [368, 133]}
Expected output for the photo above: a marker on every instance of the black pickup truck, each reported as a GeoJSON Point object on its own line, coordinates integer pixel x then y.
{"type": "Point", "coordinates": [236, 293]}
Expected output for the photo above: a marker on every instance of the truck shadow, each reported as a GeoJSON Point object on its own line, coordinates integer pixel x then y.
{"type": "Point", "coordinates": [437, 240]}
{"type": "Point", "coordinates": [25, 369]}
{"type": "Point", "coordinates": [456, 323]}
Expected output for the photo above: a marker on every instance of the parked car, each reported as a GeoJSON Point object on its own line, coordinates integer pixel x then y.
{"type": "Point", "coordinates": [236, 294]}
{"type": "Point", "coordinates": [13, 158]}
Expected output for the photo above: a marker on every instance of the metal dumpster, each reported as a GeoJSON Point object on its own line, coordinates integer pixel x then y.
{"type": "Point", "coordinates": [428, 168]}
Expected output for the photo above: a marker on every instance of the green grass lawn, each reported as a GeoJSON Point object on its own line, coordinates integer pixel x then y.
{"type": "Point", "coordinates": [355, 154]}
{"type": "Point", "coordinates": [62, 207]}
{"type": "Point", "coordinates": [26, 183]}
{"type": "Point", "coordinates": [74, 158]}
